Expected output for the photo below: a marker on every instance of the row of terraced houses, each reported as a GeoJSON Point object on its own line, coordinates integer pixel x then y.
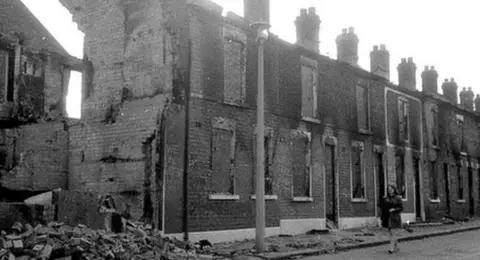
{"type": "Point", "coordinates": [336, 136]}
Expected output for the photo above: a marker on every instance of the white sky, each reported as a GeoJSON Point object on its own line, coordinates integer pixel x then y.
{"type": "Point", "coordinates": [441, 33]}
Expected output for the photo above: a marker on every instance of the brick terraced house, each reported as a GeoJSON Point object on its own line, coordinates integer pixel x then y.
{"type": "Point", "coordinates": [336, 133]}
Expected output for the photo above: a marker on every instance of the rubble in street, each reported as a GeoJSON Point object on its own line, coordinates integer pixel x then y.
{"type": "Point", "coordinates": [59, 241]}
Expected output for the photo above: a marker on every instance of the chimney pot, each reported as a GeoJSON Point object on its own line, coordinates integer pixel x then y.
{"type": "Point", "coordinates": [446, 80]}
{"type": "Point", "coordinates": [469, 88]}
{"type": "Point", "coordinates": [311, 10]}
{"type": "Point", "coordinates": [344, 31]}
{"type": "Point", "coordinates": [464, 89]}
{"type": "Point", "coordinates": [383, 47]}
{"type": "Point", "coordinates": [303, 12]}
{"type": "Point", "coordinates": [404, 60]}
{"type": "Point", "coordinates": [308, 29]}
{"type": "Point", "coordinates": [426, 67]}
{"type": "Point", "coordinates": [478, 95]}
{"type": "Point", "coordinates": [351, 30]}
{"type": "Point", "coordinates": [375, 47]}
{"type": "Point", "coordinates": [410, 60]}
{"type": "Point", "coordinates": [452, 80]}
{"type": "Point", "coordinates": [432, 67]}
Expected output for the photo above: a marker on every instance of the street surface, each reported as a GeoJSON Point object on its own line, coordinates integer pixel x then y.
{"type": "Point", "coordinates": [460, 246]}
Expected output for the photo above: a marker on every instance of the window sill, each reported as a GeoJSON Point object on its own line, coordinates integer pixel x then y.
{"type": "Point", "coordinates": [311, 120]}
{"type": "Point", "coordinates": [233, 104]}
{"type": "Point", "coordinates": [435, 147]}
{"type": "Point", "coordinates": [463, 153]}
{"type": "Point", "coordinates": [302, 199]}
{"type": "Point", "coordinates": [223, 197]}
{"type": "Point", "coordinates": [267, 197]}
{"type": "Point", "coordinates": [460, 201]}
{"type": "Point", "coordinates": [365, 132]}
{"type": "Point", "coordinates": [436, 201]}
{"type": "Point", "coordinates": [404, 199]}
{"type": "Point", "coordinates": [359, 200]}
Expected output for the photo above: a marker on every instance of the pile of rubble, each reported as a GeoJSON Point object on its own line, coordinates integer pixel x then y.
{"type": "Point", "coordinates": [59, 241]}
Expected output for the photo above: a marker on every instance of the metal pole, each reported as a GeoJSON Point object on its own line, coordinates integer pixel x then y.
{"type": "Point", "coordinates": [260, 179]}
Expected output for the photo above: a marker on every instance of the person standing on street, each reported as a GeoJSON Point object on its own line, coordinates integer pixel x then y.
{"type": "Point", "coordinates": [391, 206]}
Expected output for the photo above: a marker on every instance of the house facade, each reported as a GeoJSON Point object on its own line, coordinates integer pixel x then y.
{"type": "Point", "coordinates": [336, 135]}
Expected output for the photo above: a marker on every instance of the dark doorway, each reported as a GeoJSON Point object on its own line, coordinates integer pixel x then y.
{"type": "Point", "coordinates": [380, 179]}
{"type": "Point", "coordinates": [471, 201]}
{"type": "Point", "coordinates": [447, 187]}
{"type": "Point", "coordinates": [418, 199]}
{"type": "Point", "coordinates": [331, 210]}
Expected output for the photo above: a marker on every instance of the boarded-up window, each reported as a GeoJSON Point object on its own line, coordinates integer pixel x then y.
{"type": "Point", "coordinates": [234, 69]}
{"type": "Point", "coordinates": [400, 175]}
{"type": "Point", "coordinates": [434, 128]}
{"type": "Point", "coordinates": [434, 181]}
{"type": "Point", "coordinates": [403, 109]}
{"type": "Point", "coordinates": [268, 151]}
{"type": "Point", "coordinates": [300, 152]}
{"type": "Point", "coordinates": [362, 108]}
{"type": "Point", "coordinates": [223, 161]}
{"type": "Point", "coordinates": [3, 74]}
{"type": "Point", "coordinates": [309, 92]}
{"type": "Point", "coordinates": [358, 178]}
{"type": "Point", "coordinates": [460, 182]}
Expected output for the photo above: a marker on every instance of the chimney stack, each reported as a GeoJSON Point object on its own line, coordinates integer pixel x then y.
{"type": "Point", "coordinates": [477, 103]}
{"type": "Point", "coordinates": [450, 90]}
{"type": "Point", "coordinates": [308, 29]}
{"type": "Point", "coordinates": [380, 61]}
{"type": "Point", "coordinates": [407, 74]}
{"type": "Point", "coordinates": [257, 10]}
{"type": "Point", "coordinates": [466, 98]}
{"type": "Point", "coordinates": [430, 80]}
{"type": "Point", "coordinates": [347, 46]}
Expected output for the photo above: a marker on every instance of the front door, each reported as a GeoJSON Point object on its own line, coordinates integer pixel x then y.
{"type": "Point", "coordinates": [447, 187]}
{"type": "Point", "coordinates": [418, 199]}
{"type": "Point", "coordinates": [330, 196]}
{"type": "Point", "coordinates": [471, 202]}
{"type": "Point", "coordinates": [380, 179]}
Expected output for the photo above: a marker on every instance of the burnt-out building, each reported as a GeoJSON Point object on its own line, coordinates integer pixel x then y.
{"type": "Point", "coordinates": [34, 75]}
{"type": "Point", "coordinates": [336, 134]}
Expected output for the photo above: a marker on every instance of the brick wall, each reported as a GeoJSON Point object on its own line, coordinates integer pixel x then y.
{"type": "Point", "coordinates": [37, 156]}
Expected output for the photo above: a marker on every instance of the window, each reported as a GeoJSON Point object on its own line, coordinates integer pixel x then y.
{"type": "Point", "coordinates": [309, 92]}
{"type": "Point", "coordinates": [7, 62]}
{"type": "Point", "coordinates": [222, 162]}
{"type": "Point", "coordinates": [234, 72]}
{"type": "Point", "coordinates": [301, 166]}
{"type": "Point", "coordinates": [403, 111]}
{"type": "Point", "coordinates": [478, 183]}
{"type": "Point", "coordinates": [460, 122]}
{"type": "Point", "coordinates": [358, 173]}
{"type": "Point", "coordinates": [434, 181]}
{"type": "Point", "coordinates": [434, 127]}
{"type": "Point", "coordinates": [362, 108]}
{"type": "Point", "coordinates": [460, 182]}
{"type": "Point", "coordinates": [400, 175]}
{"type": "Point", "coordinates": [268, 150]}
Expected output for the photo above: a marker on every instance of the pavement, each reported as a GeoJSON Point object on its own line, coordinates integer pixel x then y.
{"type": "Point", "coordinates": [458, 246]}
{"type": "Point", "coordinates": [286, 247]}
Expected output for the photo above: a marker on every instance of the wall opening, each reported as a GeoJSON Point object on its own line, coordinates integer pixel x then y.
{"type": "Point", "coordinates": [74, 95]}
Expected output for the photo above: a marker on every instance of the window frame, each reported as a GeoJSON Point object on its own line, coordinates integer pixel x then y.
{"type": "Point", "coordinates": [433, 180]}
{"type": "Point", "coordinates": [356, 145]}
{"type": "Point", "coordinates": [270, 135]}
{"type": "Point", "coordinates": [308, 63]}
{"type": "Point", "coordinates": [460, 184]}
{"type": "Point", "coordinates": [402, 156]}
{"type": "Point", "coordinates": [366, 97]}
{"type": "Point", "coordinates": [232, 34]}
{"type": "Point", "coordinates": [308, 167]}
{"type": "Point", "coordinates": [404, 105]}
{"type": "Point", "coordinates": [435, 128]}
{"type": "Point", "coordinates": [230, 126]}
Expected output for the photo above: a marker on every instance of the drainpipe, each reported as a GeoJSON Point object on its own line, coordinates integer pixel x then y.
{"type": "Point", "coordinates": [186, 81]}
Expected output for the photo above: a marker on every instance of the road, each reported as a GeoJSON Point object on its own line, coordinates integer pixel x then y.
{"type": "Point", "coordinates": [460, 246]}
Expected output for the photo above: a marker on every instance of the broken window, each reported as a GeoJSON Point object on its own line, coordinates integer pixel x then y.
{"type": "Point", "coordinates": [301, 167]}
{"type": "Point", "coordinates": [309, 92]}
{"type": "Point", "coordinates": [460, 182]}
{"type": "Point", "coordinates": [7, 62]}
{"type": "Point", "coordinates": [400, 175]}
{"type": "Point", "coordinates": [434, 181]}
{"type": "Point", "coordinates": [223, 157]}
{"type": "Point", "coordinates": [403, 111]}
{"type": "Point", "coordinates": [3, 157]}
{"type": "Point", "coordinates": [362, 108]}
{"type": "Point", "coordinates": [434, 127]}
{"type": "Point", "coordinates": [358, 173]}
{"type": "Point", "coordinates": [268, 151]}
{"type": "Point", "coordinates": [234, 69]}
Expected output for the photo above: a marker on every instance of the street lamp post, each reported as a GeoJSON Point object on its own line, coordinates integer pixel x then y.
{"type": "Point", "coordinates": [262, 36]}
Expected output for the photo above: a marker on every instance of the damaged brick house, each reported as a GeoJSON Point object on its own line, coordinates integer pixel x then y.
{"type": "Point", "coordinates": [34, 75]}
{"type": "Point", "coordinates": [336, 134]}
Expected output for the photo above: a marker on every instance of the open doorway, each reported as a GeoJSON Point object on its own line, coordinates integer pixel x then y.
{"type": "Point", "coordinates": [330, 186]}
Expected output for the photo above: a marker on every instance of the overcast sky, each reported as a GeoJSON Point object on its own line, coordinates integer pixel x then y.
{"type": "Point", "coordinates": [442, 33]}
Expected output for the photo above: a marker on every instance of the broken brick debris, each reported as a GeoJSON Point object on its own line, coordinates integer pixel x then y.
{"type": "Point", "coordinates": [59, 241]}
